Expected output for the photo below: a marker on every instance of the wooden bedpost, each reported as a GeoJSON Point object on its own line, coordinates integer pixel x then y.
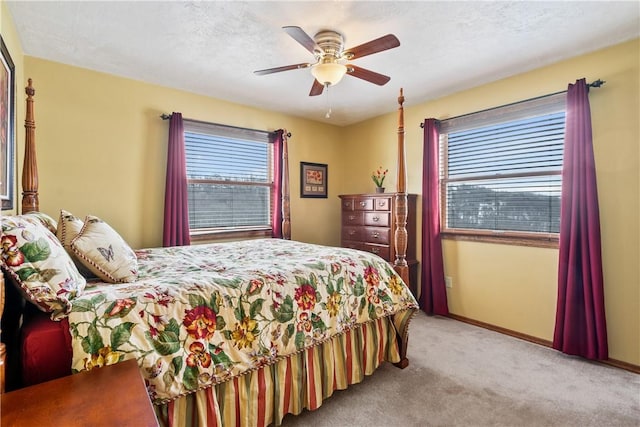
{"type": "Point", "coordinates": [286, 201]}
{"type": "Point", "coordinates": [30, 201]}
{"type": "Point", "coordinates": [401, 235]}
{"type": "Point", "coordinates": [400, 264]}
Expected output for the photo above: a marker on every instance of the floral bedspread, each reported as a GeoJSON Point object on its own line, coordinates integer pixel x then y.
{"type": "Point", "coordinates": [199, 315]}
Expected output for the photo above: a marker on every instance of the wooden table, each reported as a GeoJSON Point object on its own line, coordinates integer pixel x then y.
{"type": "Point", "coordinates": [114, 395]}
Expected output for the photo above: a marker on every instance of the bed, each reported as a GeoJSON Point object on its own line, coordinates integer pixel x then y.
{"type": "Point", "coordinates": [237, 333]}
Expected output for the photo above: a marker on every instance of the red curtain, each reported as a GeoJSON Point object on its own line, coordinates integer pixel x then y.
{"type": "Point", "coordinates": [580, 319]}
{"type": "Point", "coordinates": [433, 295]}
{"type": "Point", "coordinates": [176, 206]}
{"type": "Point", "coordinates": [276, 215]}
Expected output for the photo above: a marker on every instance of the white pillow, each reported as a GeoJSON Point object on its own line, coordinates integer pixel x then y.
{"type": "Point", "coordinates": [69, 226]}
{"type": "Point", "coordinates": [103, 251]}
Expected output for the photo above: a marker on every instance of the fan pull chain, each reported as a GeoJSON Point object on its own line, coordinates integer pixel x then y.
{"type": "Point", "coordinates": [328, 114]}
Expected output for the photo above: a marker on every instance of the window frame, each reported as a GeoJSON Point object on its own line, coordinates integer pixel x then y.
{"type": "Point", "coordinates": [511, 112]}
{"type": "Point", "coordinates": [244, 134]}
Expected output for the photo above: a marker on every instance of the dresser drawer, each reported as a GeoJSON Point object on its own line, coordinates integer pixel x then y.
{"type": "Point", "coordinates": [376, 235]}
{"type": "Point", "coordinates": [347, 204]}
{"type": "Point", "coordinates": [353, 245]}
{"type": "Point", "coordinates": [363, 204]}
{"type": "Point", "coordinates": [382, 251]}
{"type": "Point", "coordinates": [382, 204]}
{"type": "Point", "coordinates": [378, 219]}
{"type": "Point", "coordinates": [353, 233]}
{"type": "Point", "coordinates": [352, 218]}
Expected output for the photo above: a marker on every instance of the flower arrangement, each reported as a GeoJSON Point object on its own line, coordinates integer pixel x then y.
{"type": "Point", "coordinates": [379, 176]}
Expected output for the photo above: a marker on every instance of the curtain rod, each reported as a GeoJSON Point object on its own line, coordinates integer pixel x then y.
{"type": "Point", "coordinates": [596, 83]}
{"type": "Point", "coordinates": [164, 116]}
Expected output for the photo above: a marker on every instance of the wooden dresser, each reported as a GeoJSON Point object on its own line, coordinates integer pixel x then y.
{"type": "Point", "coordinates": [369, 223]}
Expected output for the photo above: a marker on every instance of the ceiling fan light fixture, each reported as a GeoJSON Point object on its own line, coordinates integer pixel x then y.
{"type": "Point", "coordinates": [329, 73]}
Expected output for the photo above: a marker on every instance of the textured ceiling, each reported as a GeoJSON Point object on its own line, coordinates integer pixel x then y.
{"type": "Point", "coordinates": [212, 48]}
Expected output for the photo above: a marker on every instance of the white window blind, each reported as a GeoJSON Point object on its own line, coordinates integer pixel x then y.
{"type": "Point", "coordinates": [230, 177]}
{"type": "Point", "coordinates": [501, 168]}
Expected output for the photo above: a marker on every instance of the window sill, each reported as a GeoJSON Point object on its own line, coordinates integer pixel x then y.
{"type": "Point", "coordinates": [516, 239]}
{"type": "Point", "coordinates": [200, 236]}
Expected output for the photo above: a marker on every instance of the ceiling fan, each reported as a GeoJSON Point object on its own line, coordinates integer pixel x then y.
{"type": "Point", "coordinates": [327, 46]}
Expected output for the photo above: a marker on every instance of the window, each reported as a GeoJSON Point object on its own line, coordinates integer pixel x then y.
{"type": "Point", "coordinates": [501, 172]}
{"type": "Point", "coordinates": [230, 179]}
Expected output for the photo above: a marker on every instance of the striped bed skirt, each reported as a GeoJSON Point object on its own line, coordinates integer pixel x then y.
{"type": "Point", "coordinates": [302, 381]}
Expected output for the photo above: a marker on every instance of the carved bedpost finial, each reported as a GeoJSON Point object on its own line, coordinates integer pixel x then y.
{"type": "Point", "coordinates": [30, 90]}
{"type": "Point", "coordinates": [401, 98]}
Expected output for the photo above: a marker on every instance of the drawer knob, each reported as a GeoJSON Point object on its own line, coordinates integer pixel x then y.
{"type": "Point", "coordinates": [363, 204]}
{"type": "Point", "coordinates": [351, 217]}
{"type": "Point", "coordinates": [375, 250]}
{"type": "Point", "coordinates": [376, 218]}
{"type": "Point", "coordinates": [376, 235]}
{"type": "Point", "coordinates": [351, 233]}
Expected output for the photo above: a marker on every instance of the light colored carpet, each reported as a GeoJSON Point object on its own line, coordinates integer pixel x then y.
{"type": "Point", "coordinates": [463, 375]}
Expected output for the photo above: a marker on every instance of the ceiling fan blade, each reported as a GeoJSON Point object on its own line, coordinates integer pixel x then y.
{"type": "Point", "coordinates": [368, 75]}
{"type": "Point", "coordinates": [374, 46]}
{"type": "Point", "coordinates": [317, 88]}
{"type": "Point", "coordinates": [279, 69]}
{"type": "Point", "coordinates": [303, 38]}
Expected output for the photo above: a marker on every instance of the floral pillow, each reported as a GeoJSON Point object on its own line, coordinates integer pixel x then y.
{"type": "Point", "coordinates": [45, 219]}
{"type": "Point", "coordinates": [68, 228]}
{"type": "Point", "coordinates": [102, 250]}
{"type": "Point", "coordinates": [38, 263]}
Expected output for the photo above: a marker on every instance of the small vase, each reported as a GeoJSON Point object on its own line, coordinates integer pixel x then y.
{"type": "Point", "coordinates": [379, 189]}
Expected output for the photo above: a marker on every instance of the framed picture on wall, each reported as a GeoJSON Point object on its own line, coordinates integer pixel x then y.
{"type": "Point", "coordinates": [313, 180]}
{"type": "Point", "coordinates": [7, 126]}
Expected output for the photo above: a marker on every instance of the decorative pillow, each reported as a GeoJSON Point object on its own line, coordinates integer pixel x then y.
{"type": "Point", "coordinates": [45, 219]}
{"type": "Point", "coordinates": [38, 263]}
{"type": "Point", "coordinates": [101, 249]}
{"type": "Point", "coordinates": [68, 228]}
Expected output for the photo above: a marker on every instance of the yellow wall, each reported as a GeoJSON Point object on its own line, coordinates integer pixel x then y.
{"type": "Point", "coordinates": [515, 287]}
